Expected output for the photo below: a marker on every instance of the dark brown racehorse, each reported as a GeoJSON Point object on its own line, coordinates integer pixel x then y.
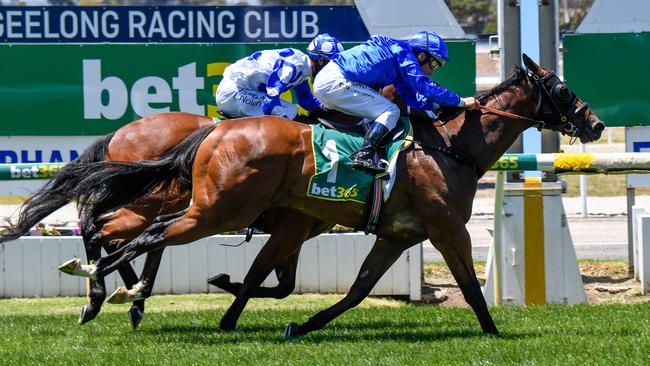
{"type": "Point", "coordinates": [247, 166]}
{"type": "Point", "coordinates": [145, 139]}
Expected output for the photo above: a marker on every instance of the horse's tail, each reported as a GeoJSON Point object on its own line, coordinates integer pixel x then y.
{"type": "Point", "coordinates": [55, 193]}
{"type": "Point", "coordinates": [110, 185]}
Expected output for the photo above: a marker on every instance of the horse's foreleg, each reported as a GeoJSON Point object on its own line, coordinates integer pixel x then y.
{"type": "Point", "coordinates": [278, 219]}
{"type": "Point", "coordinates": [285, 272]}
{"type": "Point", "coordinates": [280, 245]}
{"type": "Point", "coordinates": [456, 249]}
{"type": "Point", "coordinates": [382, 255]}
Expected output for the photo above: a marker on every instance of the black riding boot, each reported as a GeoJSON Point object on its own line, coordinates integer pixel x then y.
{"type": "Point", "coordinates": [362, 158]}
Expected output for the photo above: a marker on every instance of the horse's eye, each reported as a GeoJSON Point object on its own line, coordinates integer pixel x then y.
{"type": "Point", "coordinates": [562, 93]}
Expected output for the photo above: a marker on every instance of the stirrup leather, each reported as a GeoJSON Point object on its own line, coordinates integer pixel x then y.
{"type": "Point", "coordinates": [362, 160]}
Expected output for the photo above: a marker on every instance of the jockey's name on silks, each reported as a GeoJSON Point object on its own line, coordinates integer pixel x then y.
{"type": "Point", "coordinates": [334, 178]}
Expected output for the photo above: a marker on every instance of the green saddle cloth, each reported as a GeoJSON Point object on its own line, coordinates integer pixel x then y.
{"type": "Point", "coordinates": [334, 178]}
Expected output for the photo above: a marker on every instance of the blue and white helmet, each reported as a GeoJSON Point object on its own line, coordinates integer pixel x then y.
{"type": "Point", "coordinates": [430, 43]}
{"type": "Point", "coordinates": [324, 46]}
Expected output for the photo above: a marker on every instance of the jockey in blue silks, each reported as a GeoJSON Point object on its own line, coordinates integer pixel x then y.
{"type": "Point", "coordinates": [252, 86]}
{"type": "Point", "coordinates": [350, 82]}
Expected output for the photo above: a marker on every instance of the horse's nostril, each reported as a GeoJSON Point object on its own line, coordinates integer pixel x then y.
{"type": "Point", "coordinates": [599, 126]}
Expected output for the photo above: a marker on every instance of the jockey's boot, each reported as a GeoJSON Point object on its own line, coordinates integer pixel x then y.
{"type": "Point", "coordinates": [362, 159]}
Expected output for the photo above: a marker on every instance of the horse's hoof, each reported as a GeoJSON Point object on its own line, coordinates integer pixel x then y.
{"type": "Point", "coordinates": [87, 314]}
{"type": "Point", "coordinates": [226, 326]}
{"type": "Point", "coordinates": [219, 280]}
{"type": "Point", "coordinates": [292, 331]}
{"type": "Point", "coordinates": [119, 296]}
{"type": "Point", "coordinates": [136, 315]}
{"type": "Point", "coordinates": [75, 268]}
{"type": "Point", "coordinates": [70, 266]}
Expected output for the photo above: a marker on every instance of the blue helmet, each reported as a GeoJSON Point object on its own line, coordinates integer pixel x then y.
{"type": "Point", "coordinates": [324, 46]}
{"type": "Point", "coordinates": [430, 43]}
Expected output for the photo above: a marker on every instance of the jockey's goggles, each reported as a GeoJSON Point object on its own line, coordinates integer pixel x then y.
{"type": "Point", "coordinates": [439, 60]}
{"type": "Point", "coordinates": [433, 61]}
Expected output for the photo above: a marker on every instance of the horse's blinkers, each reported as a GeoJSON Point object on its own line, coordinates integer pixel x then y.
{"type": "Point", "coordinates": [560, 103]}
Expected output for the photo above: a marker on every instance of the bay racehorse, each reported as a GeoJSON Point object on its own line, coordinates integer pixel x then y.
{"type": "Point", "coordinates": [144, 139]}
{"type": "Point", "coordinates": [247, 166]}
{"type": "Point", "coordinates": [132, 142]}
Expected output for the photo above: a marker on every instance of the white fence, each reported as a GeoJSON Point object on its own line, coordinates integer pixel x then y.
{"type": "Point", "coordinates": [328, 263]}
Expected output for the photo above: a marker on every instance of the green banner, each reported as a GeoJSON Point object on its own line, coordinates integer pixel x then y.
{"type": "Point", "coordinates": [69, 90]}
{"type": "Point", "coordinates": [609, 71]}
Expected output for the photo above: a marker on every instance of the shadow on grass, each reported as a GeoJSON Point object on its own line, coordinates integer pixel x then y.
{"type": "Point", "coordinates": [379, 331]}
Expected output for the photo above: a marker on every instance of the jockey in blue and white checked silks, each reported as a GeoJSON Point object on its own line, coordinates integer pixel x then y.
{"type": "Point", "coordinates": [252, 86]}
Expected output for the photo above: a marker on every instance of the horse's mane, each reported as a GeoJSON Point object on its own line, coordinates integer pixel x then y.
{"type": "Point", "coordinates": [516, 79]}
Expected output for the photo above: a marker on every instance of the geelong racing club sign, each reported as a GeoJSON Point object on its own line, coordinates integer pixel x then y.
{"type": "Point", "coordinates": [192, 24]}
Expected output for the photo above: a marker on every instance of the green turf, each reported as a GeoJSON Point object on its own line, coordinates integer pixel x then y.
{"type": "Point", "coordinates": [182, 330]}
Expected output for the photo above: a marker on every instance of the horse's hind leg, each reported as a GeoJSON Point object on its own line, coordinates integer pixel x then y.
{"type": "Point", "coordinates": [114, 227]}
{"type": "Point", "coordinates": [138, 290]}
{"type": "Point", "coordinates": [130, 278]}
{"type": "Point", "coordinates": [184, 229]}
{"type": "Point", "coordinates": [382, 255]}
{"type": "Point", "coordinates": [96, 288]}
{"type": "Point", "coordinates": [456, 249]}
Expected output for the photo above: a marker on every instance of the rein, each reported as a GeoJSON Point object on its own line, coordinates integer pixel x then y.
{"type": "Point", "coordinates": [535, 122]}
{"type": "Point", "coordinates": [552, 91]}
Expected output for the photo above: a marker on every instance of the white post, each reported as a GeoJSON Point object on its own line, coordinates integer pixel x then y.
{"type": "Point", "coordinates": [498, 237]}
{"type": "Point", "coordinates": [415, 272]}
{"type": "Point", "coordinates": [637, 211]}
{"type": "Point", "coordinates": [644, 254]}
{"type": "Point", "coordinates": [610, 136]}
{"type": "Point", "coordinates": [583, 186]}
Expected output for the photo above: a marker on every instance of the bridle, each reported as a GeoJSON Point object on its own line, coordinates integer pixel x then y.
{"type": "Point", "coordinates": [560, 102]}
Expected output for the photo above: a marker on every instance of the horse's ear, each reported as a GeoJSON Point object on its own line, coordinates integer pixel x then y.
{"type": "Point", "coordinates": [530, 64]}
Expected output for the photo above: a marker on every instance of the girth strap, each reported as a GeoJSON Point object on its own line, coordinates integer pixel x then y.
{"type": "Point", "coordinates": [456, 156]}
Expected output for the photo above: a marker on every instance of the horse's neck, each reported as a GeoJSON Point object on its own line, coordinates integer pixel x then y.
{"type": "Point", "coordinates": [497, 133]}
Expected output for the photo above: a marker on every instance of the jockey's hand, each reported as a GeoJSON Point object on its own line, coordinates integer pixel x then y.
{"type": "Point", "coordinates": [469, 103]}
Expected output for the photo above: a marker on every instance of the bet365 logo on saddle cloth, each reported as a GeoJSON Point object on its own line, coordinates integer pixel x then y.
{"type": "Point", "coordinates": [334, 178]}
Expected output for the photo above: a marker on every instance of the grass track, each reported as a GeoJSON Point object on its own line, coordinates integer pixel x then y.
{"type": "Point", "coordinates": [182, 330]}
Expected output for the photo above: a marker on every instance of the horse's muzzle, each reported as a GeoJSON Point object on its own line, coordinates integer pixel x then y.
{"type": "Point", "coordinates": [594, 132]}
{"type": "Point", "coordinates": [597, 129]}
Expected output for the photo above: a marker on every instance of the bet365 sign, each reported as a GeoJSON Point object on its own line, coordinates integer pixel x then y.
{"type": "Point", "coordinates": [147, 95]}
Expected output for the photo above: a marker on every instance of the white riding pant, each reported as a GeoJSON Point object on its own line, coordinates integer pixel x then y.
{"type": "Point", "coordinates": [239, 102]}
{"type": "Point", "coordinates": [334, 91]}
